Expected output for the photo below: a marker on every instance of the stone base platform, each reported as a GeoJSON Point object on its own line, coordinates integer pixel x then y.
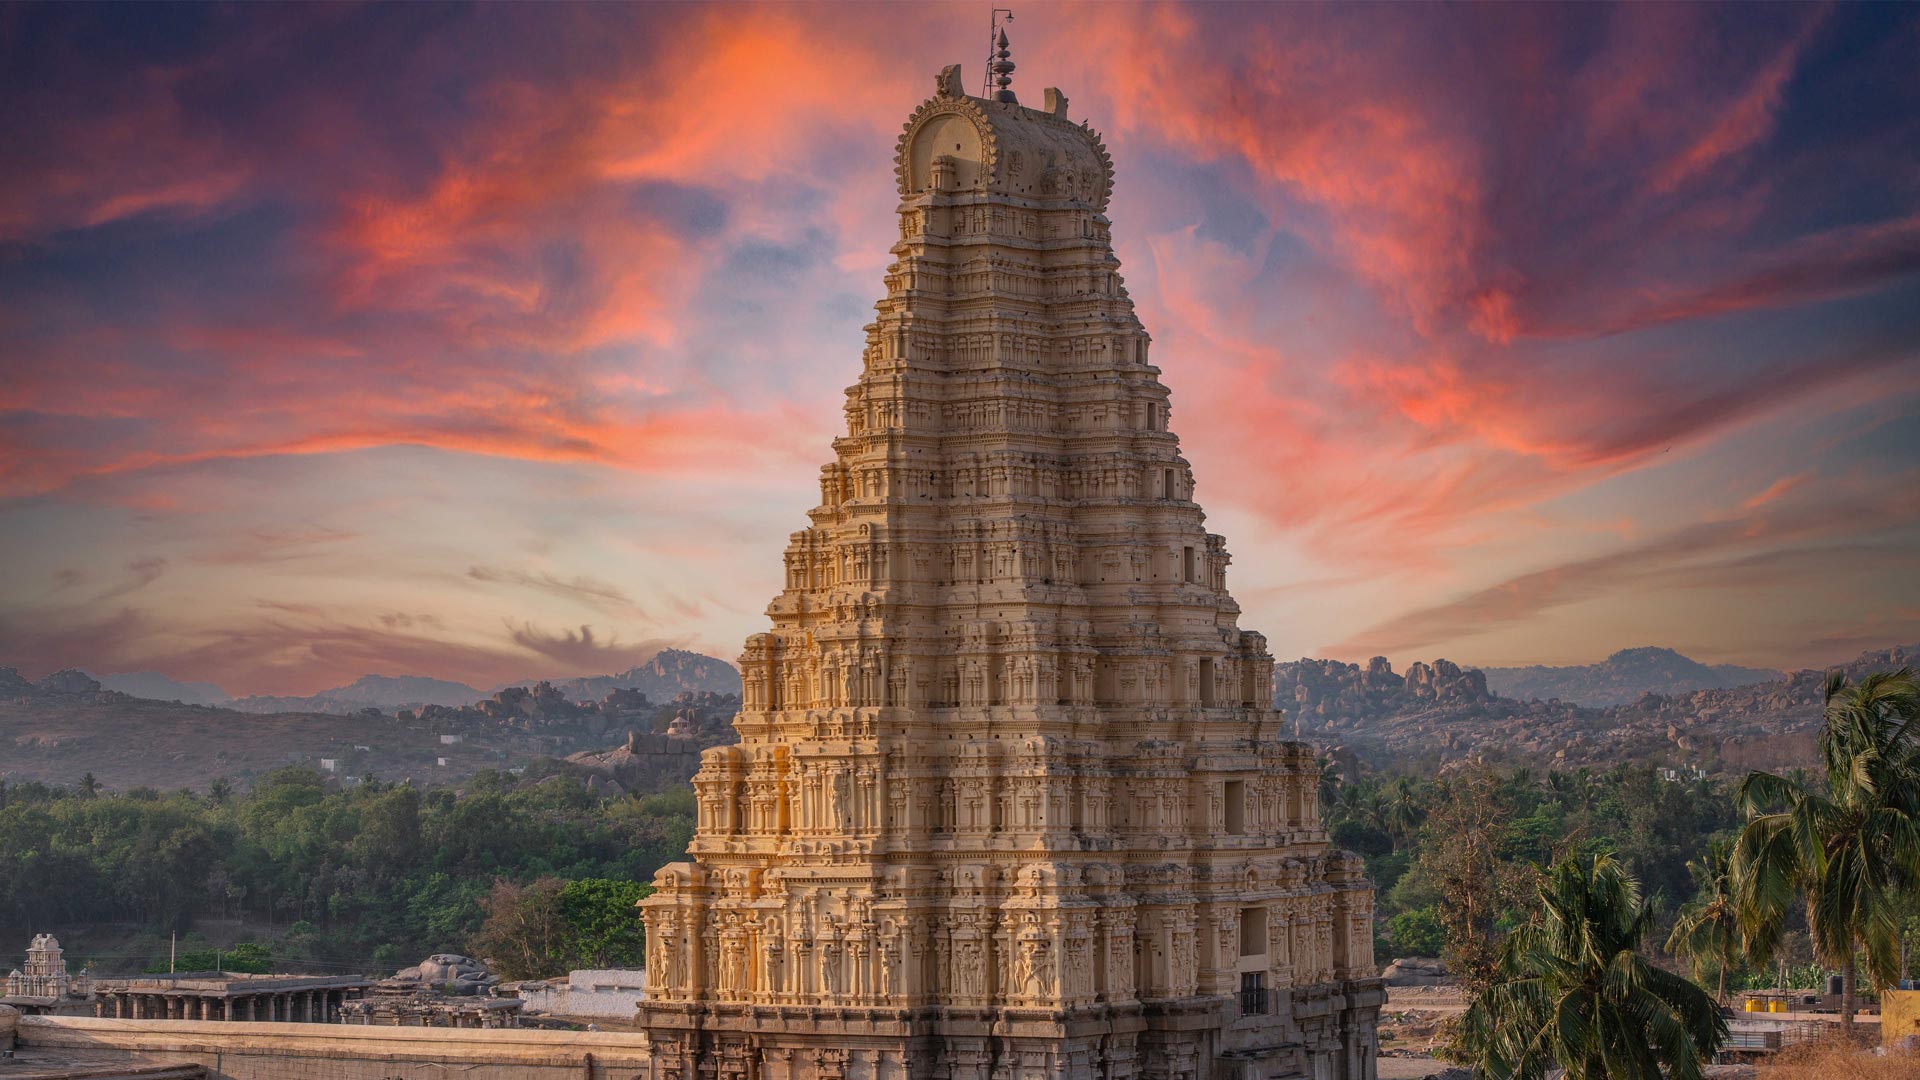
{"type": "Point", "coordinates": [256, 1051]}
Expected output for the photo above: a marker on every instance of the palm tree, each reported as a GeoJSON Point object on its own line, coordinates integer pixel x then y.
{"type": "Point", "coordinates": [1572, 990]}
{"type": "Point", "coordinates": [1848, 844]}
{"type": "Point", "coordinates": [1329, 779]}
{"type": "Point", "coordinates": [1402, 812]}
{"type": "Point", "coordinates": [1709, 928]}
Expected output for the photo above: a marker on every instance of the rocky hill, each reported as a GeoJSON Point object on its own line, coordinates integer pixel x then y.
{"type": "Point", "coordinates": [383, 692]}
{"type": "Point", "coordinates": [671, 672]}
{"type": "Point", "coordinates": [1622, 677]}
{"type": "Point", "coordinates": [1442, 713]}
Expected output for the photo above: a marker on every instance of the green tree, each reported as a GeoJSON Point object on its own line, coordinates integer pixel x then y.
{"type": "Point", "coordinates": [1419, 932]}
{"type": "Point", "coordinates": [603, 928]}
{"type": "Point", "coordinates": [523, 933]}
{"type": "Point", "coordinates": [1708, 929]}
{"type": "Point", "coordinates": [1468, 862]}
{"type": "Point", "coordinates": [1402, 813]}
{"type": "Point", "coordinates": [1571, 989]}
{"type": "Point", "coordinates": [1847, 844]}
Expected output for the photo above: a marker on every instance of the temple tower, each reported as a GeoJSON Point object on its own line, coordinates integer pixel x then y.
{"type": "Point", "coordinates": [1010, 799]}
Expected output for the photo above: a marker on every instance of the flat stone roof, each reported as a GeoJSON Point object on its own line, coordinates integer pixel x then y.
{"type": "Point", "coordinates": [232, 983]}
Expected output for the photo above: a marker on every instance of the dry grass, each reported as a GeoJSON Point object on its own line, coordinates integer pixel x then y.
{"type": "Point", "coordinates": [1834, 1060]}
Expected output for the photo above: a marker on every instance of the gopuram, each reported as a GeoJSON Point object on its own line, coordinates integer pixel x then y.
{"type": "Point", "coordinates": [1011, 800]}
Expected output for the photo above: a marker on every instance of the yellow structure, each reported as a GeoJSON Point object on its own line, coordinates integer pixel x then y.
{"type": "Point", "coordinates": [1011, 800]}
{"type": "Point", "coordinates": [1900, 1019]}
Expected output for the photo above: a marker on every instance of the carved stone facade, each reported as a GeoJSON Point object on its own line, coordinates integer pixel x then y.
{"type": "Point", "coordinates": [47, 973]}
{"type": "Point", "coordinates": [1010, 799]}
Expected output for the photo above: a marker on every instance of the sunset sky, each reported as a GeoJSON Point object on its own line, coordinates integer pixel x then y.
{"type": "Point", "coordinates": [506, 341]}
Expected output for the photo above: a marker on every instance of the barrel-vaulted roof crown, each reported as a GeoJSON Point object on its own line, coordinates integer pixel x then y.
{"type": "Point", "coordinates": [1003, 147]}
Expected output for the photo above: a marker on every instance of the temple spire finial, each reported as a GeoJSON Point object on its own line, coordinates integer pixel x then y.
{"type": "Point", "coordinates": [999, 59]}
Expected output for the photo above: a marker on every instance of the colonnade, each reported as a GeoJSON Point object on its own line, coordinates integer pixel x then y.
{"type": "Point", "coordinates": [286, 1006]}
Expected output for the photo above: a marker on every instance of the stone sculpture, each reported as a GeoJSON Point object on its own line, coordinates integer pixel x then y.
{"type": "Point", "coordinates": [448, 972]}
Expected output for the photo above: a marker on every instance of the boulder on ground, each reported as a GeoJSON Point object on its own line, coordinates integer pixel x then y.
{"type": "Point", "coordinates": [1415, 971]}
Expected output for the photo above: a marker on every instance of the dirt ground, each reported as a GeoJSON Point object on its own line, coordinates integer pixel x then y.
{"type": "Point", "coordinates": [1409, 1028]}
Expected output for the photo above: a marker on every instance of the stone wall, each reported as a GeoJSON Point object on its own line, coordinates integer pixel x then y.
{"type": "Point", "coordinates": [337, 1052]}
{"type": "Point", "coordinates": [590, 994]}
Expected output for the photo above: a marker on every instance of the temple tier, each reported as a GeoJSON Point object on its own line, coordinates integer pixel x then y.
{"type": "Point", "coordinates": [1010, 798]}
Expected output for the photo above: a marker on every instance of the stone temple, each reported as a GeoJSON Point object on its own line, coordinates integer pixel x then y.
{"type": "Point", "coordinates": [1011, 799]}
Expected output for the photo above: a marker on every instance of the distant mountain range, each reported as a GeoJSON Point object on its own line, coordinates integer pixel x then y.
{"type": "Point", "coordinates": [383, 692]}
{"type": "Point", "coordinates": [1622, 678]}
{"type": "Point", "coordinates": [157, 687]}
{"type": "Point", "coordinates": [670, 673]}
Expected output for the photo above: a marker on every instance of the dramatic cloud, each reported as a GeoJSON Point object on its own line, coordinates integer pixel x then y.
{"type": "Point", "coordinates": [350, 315]}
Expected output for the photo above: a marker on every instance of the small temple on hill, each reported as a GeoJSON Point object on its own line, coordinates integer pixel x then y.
{"type": "Point", "coordinates": [1011, 799]}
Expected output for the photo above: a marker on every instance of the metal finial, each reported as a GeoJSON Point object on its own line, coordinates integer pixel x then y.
{"type": "Point", "coordinates": [1003, 71]}
{"type": "Point", "coordinates": [999, 62]}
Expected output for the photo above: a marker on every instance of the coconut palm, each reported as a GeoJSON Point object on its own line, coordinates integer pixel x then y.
{"type": "Point", "coordinates": [1708, 929]}
{"type": "Point", "coordinates": [1573, 991]}
{"type": "Point", "coordinates": [1402, 812]}
{"type": "Point", "coordinates": [1330, 779]}
{"type": "Point", "coordinates": [1847, 843]}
